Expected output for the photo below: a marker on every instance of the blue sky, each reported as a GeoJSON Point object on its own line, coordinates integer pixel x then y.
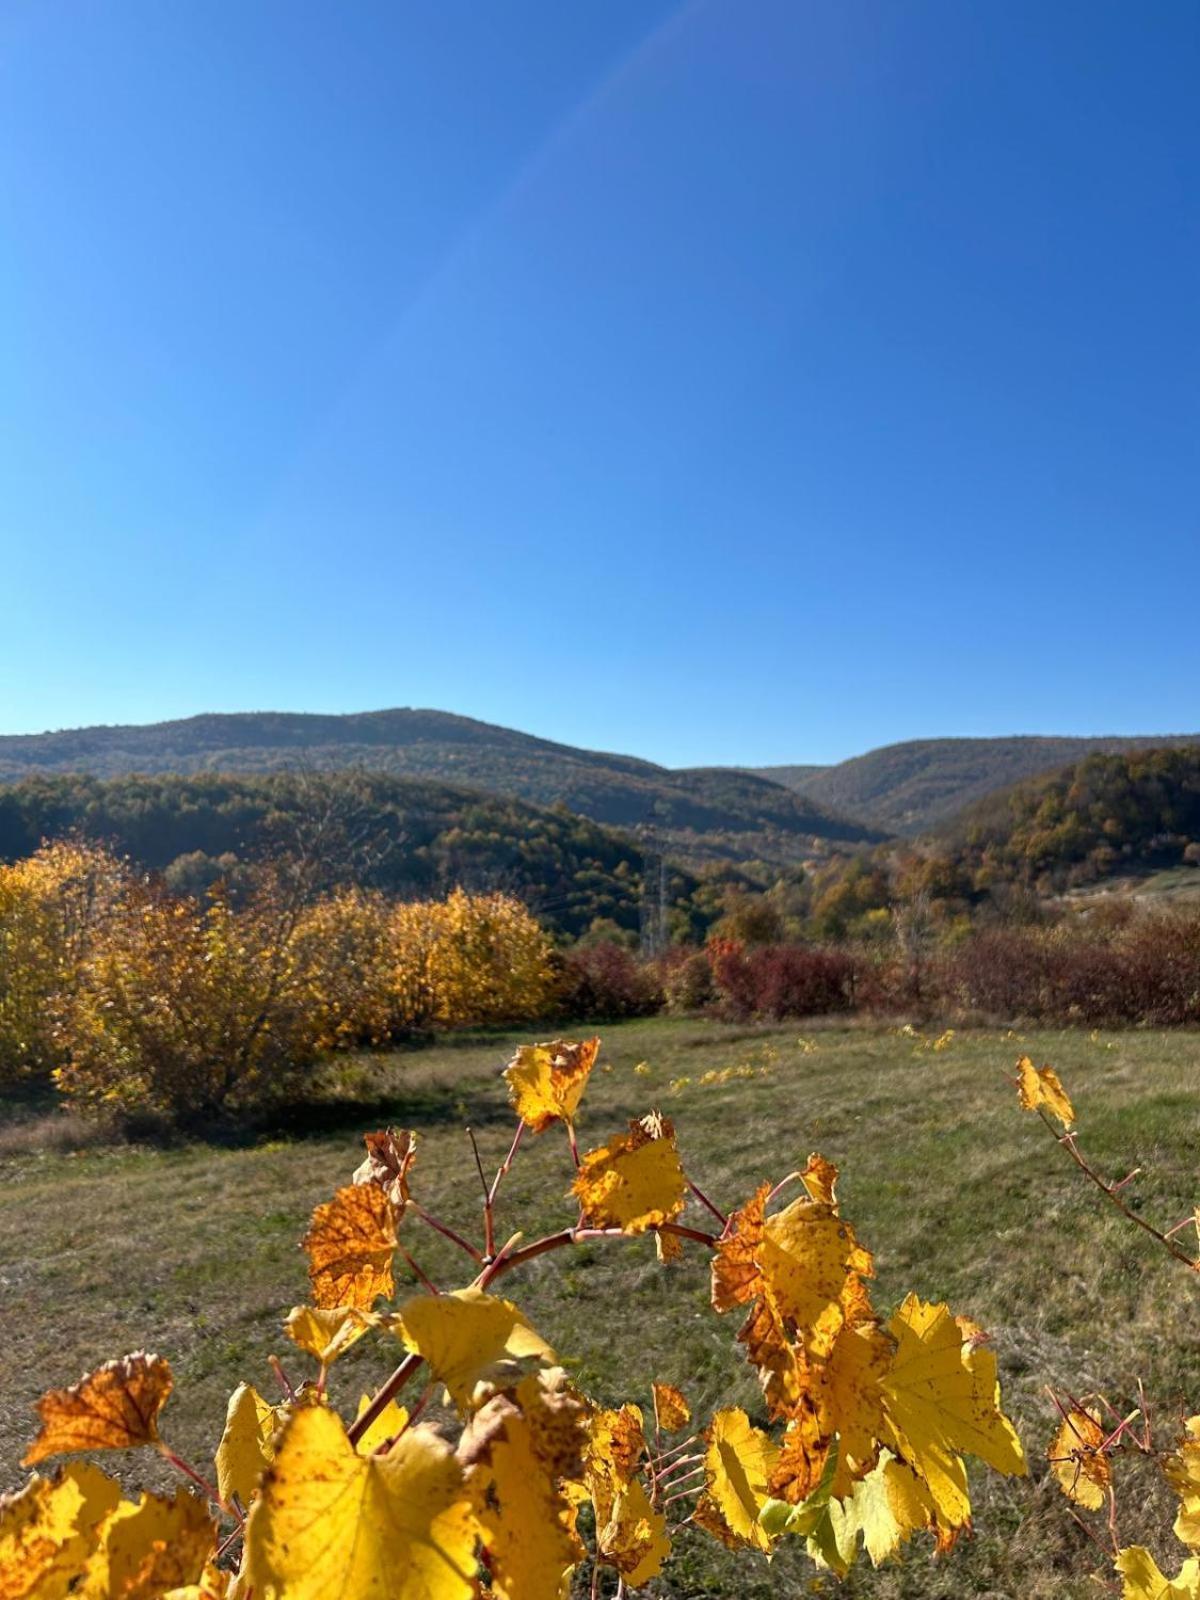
{"type": "Point", "coordinates": [726, 381]}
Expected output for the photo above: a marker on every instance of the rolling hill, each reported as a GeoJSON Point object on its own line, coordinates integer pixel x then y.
{"type": "Point", "coordinates": [701, 814]}
{"type": "Point", "coordinates": [915, 787]}
{"type": "Point", "coordinates": [424, 838]}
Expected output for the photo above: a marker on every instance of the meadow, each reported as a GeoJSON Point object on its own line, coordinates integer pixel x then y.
{"type": "Point", "coordinates": [192, 1250]}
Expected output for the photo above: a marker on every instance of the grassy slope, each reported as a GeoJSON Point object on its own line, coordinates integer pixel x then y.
{"type": "Point", "coordinates": [913, 787]}
{"type": "Point", "coordinates": [193, 1251]}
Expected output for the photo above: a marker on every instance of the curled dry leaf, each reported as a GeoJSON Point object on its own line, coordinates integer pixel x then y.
{"type": "Point", "coordinates": [1039, 1088]}
{"type": "Point", "coordinates": [115, 1407]}
{"type": "Point", "coordinates": [390, 1155]}
{"type": "Point", "coordinates": [327, 1334]}
{"type": "Point", "coordinates": [671, 1410]}
{"type": "Point", "coordinates": [635, 1181]}
{"type": "Point", "coordinates": [634, 1539]}
{"type": "Point", "coordinates": [615, 1449]}
{"type": "Point", "coordinates": [350, 1243]}
{"type": "Point", "coordinates": [546, 1081]}
{"type": "Point", "coordinates": [1083, 1471]}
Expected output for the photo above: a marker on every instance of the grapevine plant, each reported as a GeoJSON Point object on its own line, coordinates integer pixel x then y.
{"type": "Point", "coordinates": [869, 1416]}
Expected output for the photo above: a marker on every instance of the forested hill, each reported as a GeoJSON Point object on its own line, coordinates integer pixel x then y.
{"type": "Point", "coordinates": [422, 837]}
{"type": "Point", "coordinates": [701, 813]}
{"type": "Point", "coordinates": [1101, 816]}
{"type": "Point", "coordinates": [914, 787]}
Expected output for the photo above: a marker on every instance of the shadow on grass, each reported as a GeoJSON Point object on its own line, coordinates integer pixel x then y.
{"type": "Point", "coordinates": [34, 1122]}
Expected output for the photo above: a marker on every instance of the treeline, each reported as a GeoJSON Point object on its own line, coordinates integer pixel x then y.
{"type": "Point", "coordinates": [404, 837]}
{"type": "Point", "coordinates": [1088, 821]}
{"type": "Point", "coordinates": [1008, 858]}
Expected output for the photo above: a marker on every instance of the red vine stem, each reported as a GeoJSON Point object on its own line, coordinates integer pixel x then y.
{"type": "Point", "coordinates": [505, 1263]}
{"type": "Point", "coordinates": [1111, 1192]}
{"type": "Point", "coordinates": [417, 1272]}
{"type": "Point", "coordinates": [707, 1203]}
{"type": "Point", "coordinates": [446, 1232]}
{"type": "Point", "coordinates": [489, 1194]}
{"type": "Point", "coordinates": [210, 1493]}
{"type": "Point", "coordinates": [570, 1236]}
{"type": "Point", "coordinates": [390, 1389]}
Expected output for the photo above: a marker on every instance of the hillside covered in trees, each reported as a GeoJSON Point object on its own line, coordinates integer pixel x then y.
{"type": "Point", "coordinates": [918, 786]}
{"type": "Point", "coordinates": [408, 836]}
{"type": "Point", "coordinates": [700, 813]}
{"type": "Point", "coordinates": [1103, 815]}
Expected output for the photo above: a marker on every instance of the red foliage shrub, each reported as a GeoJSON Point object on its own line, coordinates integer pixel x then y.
{"type": "Point", "coordinates": [782, 980]}
{"type": "Point", "coordinates": [602, 982]}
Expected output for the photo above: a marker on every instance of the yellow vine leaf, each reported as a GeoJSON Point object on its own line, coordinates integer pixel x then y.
{"type": "Point", "coordinates": [546, 1081]}
{"type": "Point", "coordinates": [390, 1422]}
{"type": "Point", "coordinates": [329, 1522]}
{"type": "Point", "coordinates": [1183, 1474]}
{"type": "Point", "coordinates": [1039, 1088]}
{"type": "Point", "coordinates": [783, 1368]}
{"type": "Point", "coordinates": [738, 1464]}
{"type": "Point", "coordinates": [350, 1243]}
{"type": "Point", "coordinates": [1142, 1579]}
{"type": "Point", "coordinates": [820, 1179]}
{"type": "Point", "coordinates": [634, 1539]}
{"type": "Point", "coordinates": [615, 1448]}
{"type": "Point", "coordinates": [942, 1400]}
{"type": "Point", "coordinates": [887, 1507]}
{"type": "Point", "coordinates": [390, 1155]}
{"type": "Point", "coordinates": [671, 1410]}
{"type": "Point", "coordinates": [809, 1259]}
{"type": "Point", "coordinates": [1083, 1472]}
{"type": "Point", "coordinates": [524, 1454]}
{"type": "Point", "coordinates": [50, 1528]}
{"type": "Point", "coordinates": [849, 1398]}
{"type": "Point", "coordinates": [736, 1277]}
{"type": "Point", "coordinates": [247, 1443]}
{"type": "Point", "coordinates": [634, 1181]}
{"type": "Point", "coordinates": [148, 1548]}
{"type": "Point", "coordinates": [327, 1334]}
{"type": "Point", "coordinates": [466, 1336]}
{"type": "Point", "coordinates": [113, 1408]}
{"type": "Point", "coordinates": [213, 1585]}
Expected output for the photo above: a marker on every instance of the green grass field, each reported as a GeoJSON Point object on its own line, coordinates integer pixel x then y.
{"type": "Point", "coordinates": [193, 1251]}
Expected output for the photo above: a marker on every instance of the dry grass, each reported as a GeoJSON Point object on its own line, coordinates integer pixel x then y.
{"type": "Point", "coordinates": [192, 1250]}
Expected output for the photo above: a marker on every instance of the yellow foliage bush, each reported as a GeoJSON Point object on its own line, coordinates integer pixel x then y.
{"type": "Point", "coordinates": [346, 950]}
{"type": "Point", "coordinates": [144, 1001]}
{"type": "Point", "coordinates": [53, 907]}
{"type": "Point", "coordinates": [471, 961]}
{"type": "Point", "coordinates": [187, 1008]}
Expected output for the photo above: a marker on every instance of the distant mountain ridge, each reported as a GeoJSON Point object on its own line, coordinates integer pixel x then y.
{"type": "Point", "coordinates": [920, 785]}
{"type": "Point", "coordinates": [699, 813]}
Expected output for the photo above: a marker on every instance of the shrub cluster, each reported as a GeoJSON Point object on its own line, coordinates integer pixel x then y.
{"type": "Point", "coordinates": [136, 999]}
{"type": "Point", "coordinates": [1133, 968]}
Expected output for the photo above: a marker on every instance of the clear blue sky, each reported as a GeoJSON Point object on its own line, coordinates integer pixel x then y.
{"type": "Point", "coordinates": [726, 381]}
